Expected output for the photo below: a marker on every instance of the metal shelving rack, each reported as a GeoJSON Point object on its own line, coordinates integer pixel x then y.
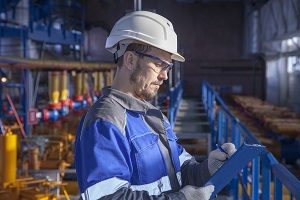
{"type": "Point", "coordinates": [42, 18]}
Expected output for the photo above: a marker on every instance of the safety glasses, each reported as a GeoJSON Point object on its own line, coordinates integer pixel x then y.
{"type": "Point", "coordinates": [161, 64]}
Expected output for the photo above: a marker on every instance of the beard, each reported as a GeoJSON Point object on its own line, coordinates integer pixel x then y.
{"type": "Point", "coordinates": [142, 89]}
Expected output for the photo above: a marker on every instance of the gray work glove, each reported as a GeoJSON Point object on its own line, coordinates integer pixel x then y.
{"type": "Point", "coordinates": [216, 158]}
{"type": "Point", "coordinates": [197, 193]}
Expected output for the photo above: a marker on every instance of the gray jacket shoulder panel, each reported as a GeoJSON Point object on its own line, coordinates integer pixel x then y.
{"type": "Point", "coordinates": [108, 109]}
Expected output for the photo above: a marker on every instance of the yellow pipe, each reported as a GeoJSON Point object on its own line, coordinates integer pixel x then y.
{"type": "Point", "coordinates": [66, 193]}
{"type": "Point", "coordinates": [112, 75]}
{"type": "Point", "coordinates": [54, 92]}
{"type": "Point", "coordinates": [96, 82]}
{"type": "Point", "coordinates": [84, 83]}
{"type": "Point", "coordinates": [78, 84]}
{"type": "Point", "coordinates": [8, 159]}
{"type": "Point", "coordinates": [34, 158]}
{"type": "Point", "coordinates": [101, 81]}
{"type": "Point", "coordinates": [64, 86]}
{"type": "Point", "coordinates": [108, 78]}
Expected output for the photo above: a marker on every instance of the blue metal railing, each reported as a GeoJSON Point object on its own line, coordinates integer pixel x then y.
{"type": "Point", "coordinates": [262, 171]}
{"type": "Point", "coordinates": [175, 95]}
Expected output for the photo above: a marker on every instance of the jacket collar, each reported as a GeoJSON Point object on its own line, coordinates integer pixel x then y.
{"type": "Point", "coordinates": [127, 101]}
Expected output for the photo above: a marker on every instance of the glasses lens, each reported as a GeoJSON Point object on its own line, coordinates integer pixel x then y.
{"type": "Point", "coordinates": [166, 68]}
{"type": "Point", "coordinates": [163, 65]}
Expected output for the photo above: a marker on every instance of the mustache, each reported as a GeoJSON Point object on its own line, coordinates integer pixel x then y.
{"type": "Point", "coordinates": [158, 83]}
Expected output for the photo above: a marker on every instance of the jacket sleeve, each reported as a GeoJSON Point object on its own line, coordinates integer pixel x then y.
{"type": "Point", "coordinates": [128, 194]}
{"type": "Point", "coordinates": [104, 167]}
{"type": "Point", "coordinates": [194, 173]}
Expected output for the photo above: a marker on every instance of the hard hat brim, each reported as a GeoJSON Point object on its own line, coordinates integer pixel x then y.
{"type": "Point", "coordinates": [178, 57]}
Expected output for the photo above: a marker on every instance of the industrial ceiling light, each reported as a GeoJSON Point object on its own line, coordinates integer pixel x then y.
{"type": "Point", "coordinates": [3, 76]}
{"type": "Point", "coordinates": [3, 79]}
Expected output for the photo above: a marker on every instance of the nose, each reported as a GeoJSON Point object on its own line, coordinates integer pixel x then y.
{"type": "Point", "coordinates": [163, 75]}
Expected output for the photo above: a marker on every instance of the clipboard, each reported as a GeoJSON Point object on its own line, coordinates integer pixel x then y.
{"type": "Point", "coordinates": [234, 165]}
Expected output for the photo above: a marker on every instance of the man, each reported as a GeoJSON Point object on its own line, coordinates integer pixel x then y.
{"type": "Point", "coordinates": [125, 147]}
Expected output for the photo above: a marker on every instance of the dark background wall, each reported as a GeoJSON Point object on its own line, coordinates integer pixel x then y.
{"type": "Point", "coordinates": [208, 34]}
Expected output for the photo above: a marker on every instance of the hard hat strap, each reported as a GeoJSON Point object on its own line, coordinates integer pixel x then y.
{"type": "Point", "coordinates": [116, 57]}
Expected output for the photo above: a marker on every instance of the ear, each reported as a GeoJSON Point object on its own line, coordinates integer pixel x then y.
{"type": "Point", "coordinates": [129, 60]}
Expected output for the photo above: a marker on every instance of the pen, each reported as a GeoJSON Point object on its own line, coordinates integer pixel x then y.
{"type": "Point", "coordinates": [222, 150]}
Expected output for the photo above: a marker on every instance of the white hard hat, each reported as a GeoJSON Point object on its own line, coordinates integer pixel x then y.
{"type": "Point", "coordinates": [146, 27]}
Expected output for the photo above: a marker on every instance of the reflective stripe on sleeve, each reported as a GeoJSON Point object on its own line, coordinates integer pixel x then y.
{"type": "Point", "coordinates": [184, 156]}
{"type": "Point", "coordinates": [103, 188]}
{"type": "Point", "coordinates": [157, 187]}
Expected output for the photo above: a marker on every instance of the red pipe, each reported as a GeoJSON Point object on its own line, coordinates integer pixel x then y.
{"type": "Point", "coordinates": [16, 115]}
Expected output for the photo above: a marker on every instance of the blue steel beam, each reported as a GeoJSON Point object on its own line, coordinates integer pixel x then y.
{"type": "Point", "coordinates": [6, 5]}
{"type": "Point", "coordinates": [43, 15]}
{"type": "Point", "coordinates": [12, 31]}
{"type": "Point", "coordinates": [55, 36]}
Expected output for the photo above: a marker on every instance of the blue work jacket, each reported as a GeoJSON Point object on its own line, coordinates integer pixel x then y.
{"type": "Point", "coordinates": [119, 154]}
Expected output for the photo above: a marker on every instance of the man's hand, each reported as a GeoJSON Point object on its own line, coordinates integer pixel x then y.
{"type": "Point", "coordinates": [197, 193]}
{"type": "Point", "coordinates": [216, 158]}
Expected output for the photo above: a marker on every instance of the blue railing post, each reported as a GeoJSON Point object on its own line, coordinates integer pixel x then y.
{"type": "Point", "coordinates": [226, 130]}
{"type": "Point", "coordinates": [204, 97]}
{"type": "Point", "coordinates": [235, 140]}
{"type": "Point", "coordinates": [220, 126]}
{"type": "Point", "coordinates": [245, 180]}
{"type": "Point", "coordinates": [212, 119]}
{"type": "Point", "coordinates": [266, 178]}
{"type": "Point", "coordinates": [277, 189]}
{"type": "Point", "coordinates": [255, 178]}
{"type": "Point", "coordinates": [171, 107]}
{"type": "Point", "coordinates": [175, 95]}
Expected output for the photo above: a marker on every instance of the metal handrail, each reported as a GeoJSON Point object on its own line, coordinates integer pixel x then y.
{"type": "Point", "coordinates": [175, 95]}
{"type": "Point", "coordinates": [271, 169]}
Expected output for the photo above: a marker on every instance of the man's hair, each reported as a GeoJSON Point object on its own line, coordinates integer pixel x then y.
{"type": "Point", "coordinates": [143, 48]}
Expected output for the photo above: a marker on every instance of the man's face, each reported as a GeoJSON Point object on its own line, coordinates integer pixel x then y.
{"type": "Point", "coordinates": [148, 75]}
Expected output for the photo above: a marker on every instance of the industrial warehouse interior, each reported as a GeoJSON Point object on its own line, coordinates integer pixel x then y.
{"type": "Point", "coordinates": [239, 84]}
